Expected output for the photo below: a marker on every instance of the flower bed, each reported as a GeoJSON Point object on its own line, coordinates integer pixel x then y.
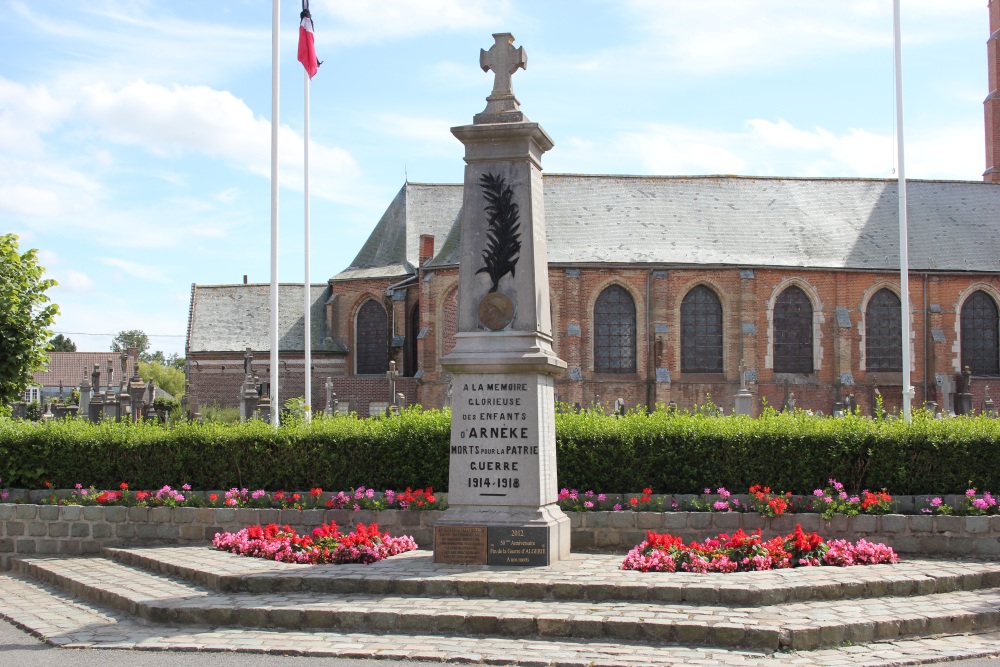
{"type": "Point", "coordinates": [326, 544]}
{"type": "Point", "coordinates": [747, 553]}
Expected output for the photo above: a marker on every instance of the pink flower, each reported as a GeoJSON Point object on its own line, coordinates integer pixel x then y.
{"type": "Point", "coordinates": [186, 487]}
{"type": "Point", "coordinates": [818, 493]}
{"type": "Point", "coordinates": [936, 502]}
{"type": "Point", "coordinates": [970, 492]}
{"type": "Point", "coordinates": [617, 507]}
{"type": "Point", "coordinates": [601, 497]}
{"type": "Point", "coordinates": [588, 505]}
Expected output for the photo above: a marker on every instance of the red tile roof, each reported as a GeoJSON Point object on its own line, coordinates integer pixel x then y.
{"type": "Point", "coordinates": [71, 367]}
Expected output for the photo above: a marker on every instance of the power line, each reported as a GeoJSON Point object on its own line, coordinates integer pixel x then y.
{"type": "Point", "coordinates": [84, 333]}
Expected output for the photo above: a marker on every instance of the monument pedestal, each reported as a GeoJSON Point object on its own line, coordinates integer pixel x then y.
{"type": "Point", "coordinates": [502, 476]}
{"type": "Point", "coordinates": [502, 472]}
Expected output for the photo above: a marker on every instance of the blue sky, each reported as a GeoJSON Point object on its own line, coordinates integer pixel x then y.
{"type": "Point", "coordinates": [134, 134]}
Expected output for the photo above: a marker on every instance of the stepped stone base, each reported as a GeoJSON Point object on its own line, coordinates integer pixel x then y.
{"type": "Point", "coordinates": [578, 611]}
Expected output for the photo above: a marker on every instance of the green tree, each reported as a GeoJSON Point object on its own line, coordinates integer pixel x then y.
{"type": "Point", "coordinates": [62, 344]}
{"type": "Point", "coordinates": [168, 378]}
{"type": "Point", "coordinates": [126, 340]}
{"type": "Point", "coordinates": [25, 317]}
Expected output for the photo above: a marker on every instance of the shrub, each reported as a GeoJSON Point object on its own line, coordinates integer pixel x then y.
{"type": "Point", "coordinates": [664, 452]}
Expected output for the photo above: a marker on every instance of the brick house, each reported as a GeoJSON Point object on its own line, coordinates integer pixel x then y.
{"type": "Point", "coordinates": [64, 371]}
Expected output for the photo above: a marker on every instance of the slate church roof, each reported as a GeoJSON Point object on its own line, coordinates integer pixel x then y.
{"type": "Point", "coordinates": [393, 248]}
{"type": "Point", "coordinates": [231, 318]}
{"type": "Point", "coordinates": [826, 223]}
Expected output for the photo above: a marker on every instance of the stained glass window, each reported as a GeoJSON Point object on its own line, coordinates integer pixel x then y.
{"type": "Point", "coordinates": [981, 334]}
{"type": "Point", "coordinates": [614, 331]}
{"type": "Point", "coordinates": [370, 344]}
{"type": "Point", "coordinates": [884, 333]}
{"type": "Point", "coordinates": [701, 331]}
{"type": "Point", "coordinates": [793, 332]}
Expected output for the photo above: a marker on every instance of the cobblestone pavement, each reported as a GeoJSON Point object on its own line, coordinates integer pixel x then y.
{"type": "Point", "coordinates": [115, 592]}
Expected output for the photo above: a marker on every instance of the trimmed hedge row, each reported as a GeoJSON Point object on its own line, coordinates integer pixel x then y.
{"type": "Point", "coordinates": [672, 453]}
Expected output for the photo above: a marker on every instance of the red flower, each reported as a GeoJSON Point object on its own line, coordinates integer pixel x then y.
{"type": "Point", "coordinates": [633, 501]}
{"type": "Point", "coordinates": [214, 497]}
{"type": "Point", "coordinates": [124, 486]}
{"type": "Point", "coordinates": [48, 485]}
{"type": "Point", "coordinates": [315, 492]}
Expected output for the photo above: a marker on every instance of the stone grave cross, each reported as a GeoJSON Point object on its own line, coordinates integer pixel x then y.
{"type": "Point", "coordinates": [392, 374]}
{"type": "Point", "coordinates": [503, 59]}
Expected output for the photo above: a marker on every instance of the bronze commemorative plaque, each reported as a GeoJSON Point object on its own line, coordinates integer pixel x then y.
{"type": "Point", "coordinates": [460, 545]}
{"type": "Point", "coordinates": [527, 546]}
{"type": "Point", "coordinates": [496, 311]}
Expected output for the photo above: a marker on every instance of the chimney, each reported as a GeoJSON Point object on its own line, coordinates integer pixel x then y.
{"type": "Point", "coordinates": [427, 242]}
{"type": "Point", "coordinates": [244, 279]}
{"type": "Point", "coordinates": [992, 102]}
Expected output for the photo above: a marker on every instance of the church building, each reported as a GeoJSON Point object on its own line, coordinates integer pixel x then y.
{"type": "Point", "coordinates": [664, 290]}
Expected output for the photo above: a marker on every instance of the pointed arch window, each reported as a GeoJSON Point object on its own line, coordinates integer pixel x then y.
{"type": "Point", "coordinates": [410, 360]}
{"type": "Point", "coordinates": [793, 332]}
{"type": "Point", "coordinates": [614, 331]}
{"type": "Point", "coordinates": [701, 331]}
{"type": "Point", "coordinates": [371, 339]}
{"type": "Point", "coordinates": [981, 334]}
{"type": "Point", "coordinates": [884, 333]}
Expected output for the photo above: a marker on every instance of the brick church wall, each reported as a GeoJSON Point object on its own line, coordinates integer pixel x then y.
{"type": "Point", "coordinates": [747, 297]}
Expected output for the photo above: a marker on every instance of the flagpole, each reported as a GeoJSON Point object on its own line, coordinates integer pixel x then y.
{"type": "Point", "coordinates": [904, 261]}
{"type": "Point", "coordinates": [307, 340]}
{"type": "Point", "coordinates": [275, 84]}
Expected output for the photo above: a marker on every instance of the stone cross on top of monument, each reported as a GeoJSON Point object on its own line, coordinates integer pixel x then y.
{"type": "Point", "coordinates": [504, 60]}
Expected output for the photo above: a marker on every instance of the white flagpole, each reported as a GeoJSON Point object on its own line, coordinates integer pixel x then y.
{"type": "Point", "coordinates": [904, 261]}
{"type": "Point", "coordinates": [275, 84]}
{"type": "Point", "coordinates": [307, 340]}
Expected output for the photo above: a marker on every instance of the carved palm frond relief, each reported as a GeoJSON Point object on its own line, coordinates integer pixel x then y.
{"type": "Point", "coordinates": [503, 236]}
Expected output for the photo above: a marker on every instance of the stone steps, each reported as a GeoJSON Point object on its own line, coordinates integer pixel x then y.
{"type": "Point", "coordinates": [61, 620]}
{"type": "Point", "coordinates": [791, 625]}
{"type": "Point", "coordinates": [594, 577]}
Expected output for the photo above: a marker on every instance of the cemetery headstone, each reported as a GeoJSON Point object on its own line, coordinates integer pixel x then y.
{"type": "Point", "coordinates": [328, 409]}
{"type": "Point", "coordinates": [85, 393]}
{"type": "Point", "coordinates": [248, 390]}
{"type": "Point", "coordinates": [989, 408]}
{"type": "Point", "coordinates": [963, 402]}
{"type": "Point", "coordinates": [743, 401]}
{"type": "Point", "coordinates": [502, 472]}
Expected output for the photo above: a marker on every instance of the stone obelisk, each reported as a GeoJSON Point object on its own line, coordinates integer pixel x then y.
{"type": "Point", "coordinates": [502, 477]}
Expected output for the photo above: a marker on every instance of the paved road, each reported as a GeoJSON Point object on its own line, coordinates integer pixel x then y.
{"type": "Point", "coordinates": [19, 649]}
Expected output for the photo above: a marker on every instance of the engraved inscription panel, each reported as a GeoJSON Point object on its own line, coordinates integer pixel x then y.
{"type": "Point", "coordinates": [460, 545]}
{"type": "Point", "coordinates": [495, 454]}
{"type": "Point", "coordinates": [527, 546]}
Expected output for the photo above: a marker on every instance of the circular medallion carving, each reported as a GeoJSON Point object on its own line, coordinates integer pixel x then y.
{"type": "Point", "coordinates": [496, 311]}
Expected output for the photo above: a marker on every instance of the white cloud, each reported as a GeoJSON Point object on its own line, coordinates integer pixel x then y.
{"type": "Point", "coordinates": [25, 113]}
{"type": "Point", "coordinates": [75, 282]}
{"type": "Point", "coordinates": [777, 148]}
{"type": "Point", "coordinates": [711, 36]}
{"type": "Point", "coordinates": [29, 201]}
{"type": "Point", "coordinates": [171, 122]}
{"type": "Point", "coordinates": [122, 41]}
{"type": "Point", "coordinates": [136, 270]}
{"type": "Point", "coordinates": [382, 20]}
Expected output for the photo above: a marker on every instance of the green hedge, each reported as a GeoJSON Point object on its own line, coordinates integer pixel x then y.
{"type": "Point", "coordinates": [789, 452]}
{"type": "Point", "coordinates": [409, 450]}
{"type": "Point", "coordinates": [670, 453]}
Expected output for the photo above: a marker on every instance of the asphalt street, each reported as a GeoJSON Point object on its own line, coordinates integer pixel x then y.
{"type": "Point", "coordinates": [20, 649]}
